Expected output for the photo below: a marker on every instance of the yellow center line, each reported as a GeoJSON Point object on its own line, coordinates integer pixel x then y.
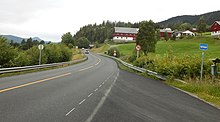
{"type": "Point", "coordinates": [43, 80]}
{"type": "Point", "coordinates": [28, 84]}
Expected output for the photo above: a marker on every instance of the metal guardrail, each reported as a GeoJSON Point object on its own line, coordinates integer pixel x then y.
{"type": "Point", "coordinates": [142, 70]}
{"type": "Point", "coordinates": [25, 68]}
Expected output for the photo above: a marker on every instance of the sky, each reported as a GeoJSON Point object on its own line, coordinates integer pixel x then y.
{"type": "Point", "coordinates": [50, 19]}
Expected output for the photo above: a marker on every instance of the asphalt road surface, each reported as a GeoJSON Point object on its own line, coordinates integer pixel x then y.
{"type": "Point", "coordinates": [96, 90]}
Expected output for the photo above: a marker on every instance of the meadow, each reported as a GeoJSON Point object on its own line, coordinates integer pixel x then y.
{"type": "Point", "coordinates": [180, 47]}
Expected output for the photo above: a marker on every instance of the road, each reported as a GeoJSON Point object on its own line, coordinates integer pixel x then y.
{"type": "Point", "coordinates": [96, 90]}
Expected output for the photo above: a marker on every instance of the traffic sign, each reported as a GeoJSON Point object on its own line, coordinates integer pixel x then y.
{"type": "Point", "coordinates": [203, 46]}
{"type": "Point", "coordinates": [138, 47]}
{"type": "Point", "coordinates": [114, 53]}
{"type": "Point", "coordinates": [40, 47]}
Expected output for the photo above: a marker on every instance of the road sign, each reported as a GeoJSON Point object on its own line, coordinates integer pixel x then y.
{"type": "Point", "coordinates": [138, 47]}
{"type": "Point", "coordinates": [40, 47]}
{"type": "Point", "coordinates": [203, 46]}
{"type": "Point", "coordinates": [114, 53]}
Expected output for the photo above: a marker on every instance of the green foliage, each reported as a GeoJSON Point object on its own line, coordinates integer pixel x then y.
{"type": "Point", "coordinates": [100, 33]}
{"type": "Point", "coordinates": [52, 53]}
{"type": "Point", "coordinates": [67, 38]}
{"type": "Point", "coordinates": [82, 42]}
{"type": "Point", "coordinates": [147, 36]}
{"type": "Point", "coordinates": [209, 18]}
{"type": "Point", "coordinates": [70, 45]}
{"type": "Point", "coordinates": [33, 54]}
{"type": "Point", "coordinates": [22, 59]}
{"type": "Point", "coordinates": [7, 53]}
{"type": "Point", "coordinates": [57, 53]}
{"type": "Point", "coordinates": [25, 45]}
{"type": "Point", "coordinates": [173, 37]}
{"type": "Point", "coordinates": [111, 52]}
{"type": "Point", "coordinates": [166, 36]}
{"type": "Point", "coordinates": [201, 27]}
{"type": "Point", "coordinates": [185, 26]}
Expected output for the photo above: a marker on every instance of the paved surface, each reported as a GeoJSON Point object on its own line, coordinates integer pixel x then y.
{"type": "Point", "coordinates": [96, 91]}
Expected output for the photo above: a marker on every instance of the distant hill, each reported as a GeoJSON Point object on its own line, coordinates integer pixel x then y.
{"type": "Point", "coordinates": [210, 18]}
{"type": "Point", "coordinates": [37, 38]}
{"type": "Point", "coordinates": [14, 38]}
{"type": "Point", "coordinates": [19, 39]}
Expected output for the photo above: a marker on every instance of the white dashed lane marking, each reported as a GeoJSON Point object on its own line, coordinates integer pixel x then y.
{"type": "Point", "coordinates": [90, 95]}
{"type": "Point", "coordinates": [96, 89]}
{"type": "Point", "coordinates": [82, 101]}
{"type": "Point", "coordinates": [70, 111]}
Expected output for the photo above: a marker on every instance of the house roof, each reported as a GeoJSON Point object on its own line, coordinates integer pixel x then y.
{"type": "Point", "coordinates": [166, 30]}
{"type": "Point", "coordinates": [218, 22]}
{"type": "Point", "coordinates": [126, 30]}
{"type": "Point", "coordinates": [188, 32]}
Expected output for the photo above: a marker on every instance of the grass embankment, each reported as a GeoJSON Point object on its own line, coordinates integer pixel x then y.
{"type": "Point", "coordinates": [101, 49]}
{"type": "Point", "coordinates": [77, 54]}
{"type": "Point", "coordinates": [206, 89]}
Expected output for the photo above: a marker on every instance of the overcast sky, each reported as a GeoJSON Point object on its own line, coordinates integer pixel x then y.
{"type": "Point", "coordinates": [50, 19]}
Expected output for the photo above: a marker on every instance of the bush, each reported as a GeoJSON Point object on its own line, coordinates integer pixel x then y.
{"type": "Point", "coordinates": [7, 53]}
{"type": "Point", "coordinates": [186, 67]}
{"type": "Point", "coordinates": [111, 52]}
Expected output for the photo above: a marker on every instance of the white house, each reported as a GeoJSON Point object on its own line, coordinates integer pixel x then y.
{"type": "Point", "coordinates": [124, 34]}
{"type": "Point", "coordinates": [188, 33]}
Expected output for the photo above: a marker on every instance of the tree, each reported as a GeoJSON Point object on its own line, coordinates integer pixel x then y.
{"type": "Point", "coordinates": [42, 42]}
{"type": "Point", "coordinates": [67, 38]}
{"type": "Point", "coordinates": [185, 26]}
{"type": "Point", "coordinates": [82, 42]}
{"type": "Point", "coordinates": [201, 27]}
{"type": "Point", "coordinates": [166, 36]}
{"type": "Point", "coordinates": [29, 43]}
{"type": "Point", "coordinates": [147, 36]}
{"type": "Point", "coordinates": [7, 53]}
{"type": "Point", "coordinates": [23, 45]}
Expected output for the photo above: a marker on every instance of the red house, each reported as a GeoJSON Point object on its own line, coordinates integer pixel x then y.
{"type": "Point", "coordinates": [166, 30]}
{"type": "Point", "coordinates": [124, 34]}
{"type": "Point", "coordinates": [215, 29]}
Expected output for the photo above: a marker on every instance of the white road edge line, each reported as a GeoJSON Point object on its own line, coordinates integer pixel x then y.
{"type": "Point", "coordinates": [70, 111]}
{"type": "Point", "coordinates": [103, 83]}
{"type": "Point", "coordinates": [82, 101]}
{"type": "Point", "coordinates": [100, 103]}
{"type": "Point", "coordinates": [85, 68]}
{"type": "Point", "coordinates": [100, 86]}
{"type": "Point", "coordinates": [96, 90]}
{"type": "Point", "coordinates": [90, 95]}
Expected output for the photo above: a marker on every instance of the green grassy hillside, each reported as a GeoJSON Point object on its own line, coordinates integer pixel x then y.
{"type": "Point", "coordinates": [181, 47]}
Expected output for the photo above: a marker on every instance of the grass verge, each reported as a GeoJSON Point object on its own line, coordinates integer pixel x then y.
{"type": "Point", "coordinates": [209, 92]}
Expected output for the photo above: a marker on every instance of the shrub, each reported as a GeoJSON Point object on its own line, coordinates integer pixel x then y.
{"type": "Point", "coordinates": [186, 67]}
{"type": "Point", "coordinates": [111, 52]}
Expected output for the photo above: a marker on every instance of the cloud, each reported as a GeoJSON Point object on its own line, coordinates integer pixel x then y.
{"type": "Point", "coordinates": [20, 11]}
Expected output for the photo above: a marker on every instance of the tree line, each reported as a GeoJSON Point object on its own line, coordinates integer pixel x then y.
{"type": "Point", "coordinates": [27, 44]}
{"type": "Point", "coordinates": [28, 53]}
